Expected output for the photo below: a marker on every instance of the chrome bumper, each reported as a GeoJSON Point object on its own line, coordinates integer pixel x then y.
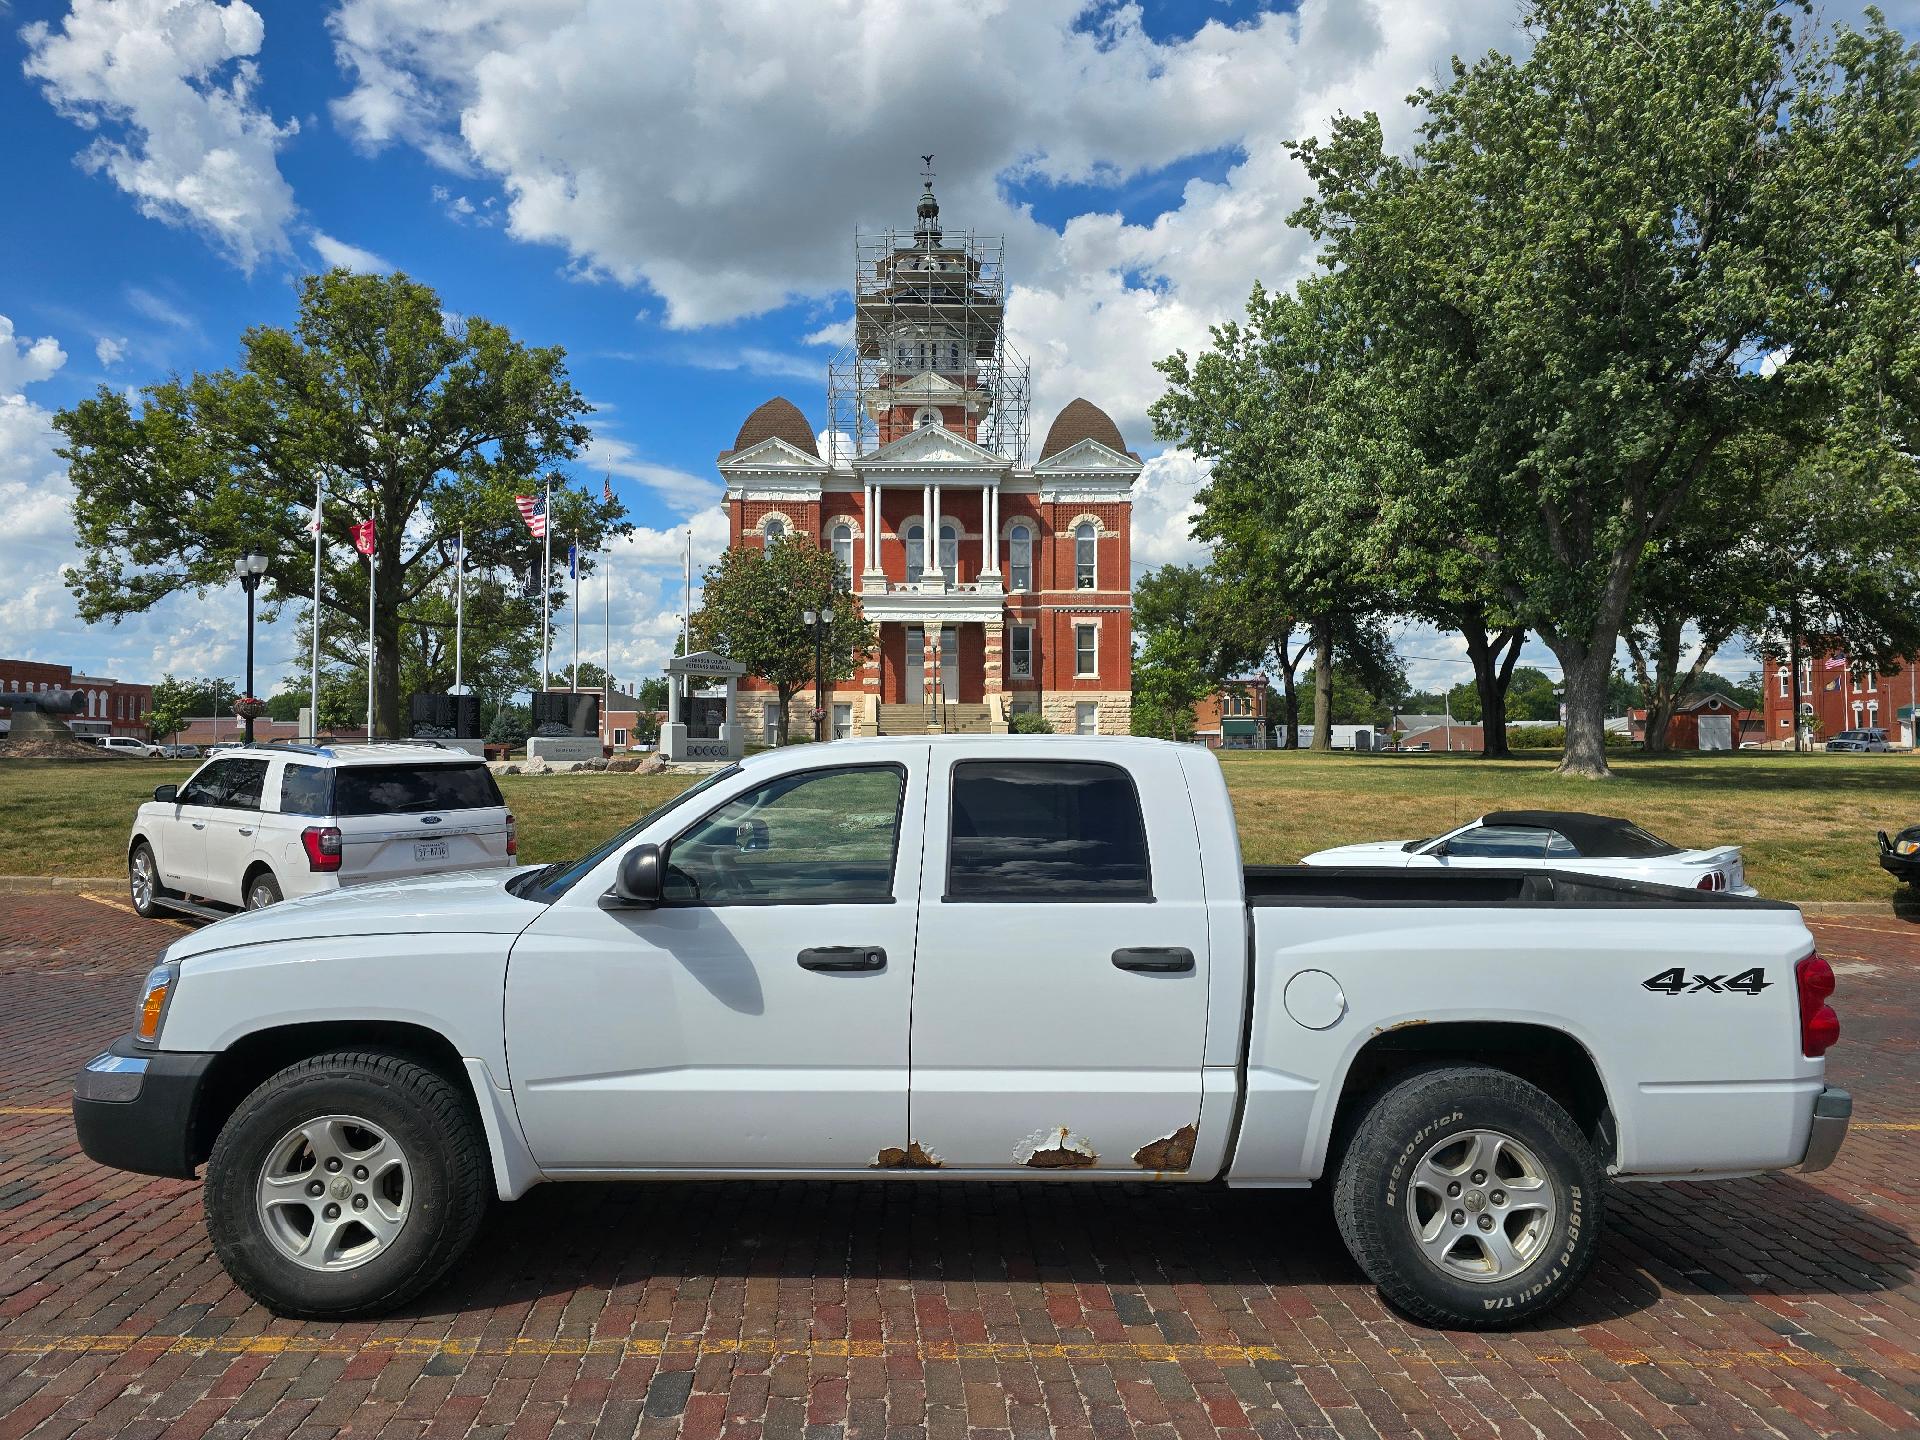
{"type": "Point", "coordinates": [1832, 1109]}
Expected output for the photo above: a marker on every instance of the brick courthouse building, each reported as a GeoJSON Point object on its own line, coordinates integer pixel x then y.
{"type": "Point", "coordinates": [997, 586]}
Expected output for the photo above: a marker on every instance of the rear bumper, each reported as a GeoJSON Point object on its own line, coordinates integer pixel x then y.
{"type": "Point", "coordinates": [1832, 1110]}
{"type": "Point", "coordinates": [133, 1108]}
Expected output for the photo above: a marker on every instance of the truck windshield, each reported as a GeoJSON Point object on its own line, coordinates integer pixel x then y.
{"type": "Point", "coordinates": [552, 881]}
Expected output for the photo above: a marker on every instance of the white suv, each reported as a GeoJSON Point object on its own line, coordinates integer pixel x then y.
{"type": "Point", "coordinates": [130, 747]}
{"type": "Point", "coordinates": [269, 822]}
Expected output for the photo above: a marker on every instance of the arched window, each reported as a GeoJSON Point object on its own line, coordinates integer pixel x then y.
{"type": "Point", "coordinates": [949, 552]}
{"type": "Point", "coordinates": [916, 551]}
{"type": "Point", "coordinates": [1020, 558]}
{"type": "Point", "coordinates": [775, 529]}
{"type": "Point", "coordinates": [926, 416]}
{"type": "Point", "coordinates": [843, 553]}
{"type": "Point", "coordinates": [1083, 550]}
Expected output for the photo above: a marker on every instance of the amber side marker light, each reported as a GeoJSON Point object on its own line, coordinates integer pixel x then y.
{"type": "Point", "coordinates": [153, 1004]}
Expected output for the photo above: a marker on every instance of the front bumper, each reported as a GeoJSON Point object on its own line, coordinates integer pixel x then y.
{"type": "Point", "coordinates": [133, 1108]}
{"type": "Point", "coordinates": [1832, 1110]}
{"type": "Point", "coordinates": [1901, 867]}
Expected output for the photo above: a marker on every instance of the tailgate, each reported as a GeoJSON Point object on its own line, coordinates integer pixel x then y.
{"type": "Point", "coordinates": [391, 846]}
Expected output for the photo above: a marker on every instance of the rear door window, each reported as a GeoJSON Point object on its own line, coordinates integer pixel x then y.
{"type": "Point", "coordinates": [304, 790]}
{"type": "Point", "coordinates": [1043, 830]}
{"type": "Point", "coordinates": [412, 789]}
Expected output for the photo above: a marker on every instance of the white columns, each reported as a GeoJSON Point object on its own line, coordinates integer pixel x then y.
{"type": "Point", "coordinates": [989, 528]}
{"type": "Point", "coordinates": [873, 527]}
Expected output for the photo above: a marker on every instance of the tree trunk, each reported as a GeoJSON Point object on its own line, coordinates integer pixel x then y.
{"type": "Point", "coordinates": [1493, 659]}
{"type": "Point", "coordinates": [1793, 668]}
{"type": "Point", "coordinates": [784, 694]}
{"type": "Point", "coordinates": [386, 665]}
{"type": "Point", "coordinates": [1586, 670]}
{"type": "Point", "coordinates": [1289, 706]}
{"type": "Point", "coordinates": [1323, 683]}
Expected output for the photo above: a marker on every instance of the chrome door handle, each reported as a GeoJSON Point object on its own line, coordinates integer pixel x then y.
{"type": "Point", "coordinates": [198, 824]}
{"type": "Point", "coordinates": [245, 831]}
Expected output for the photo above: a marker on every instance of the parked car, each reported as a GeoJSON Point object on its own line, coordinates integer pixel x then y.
{"type": "Point", "coordinates": [1859, 740]}
{"type": "Point", "coordinates": [128, 746]}
{"type": "Point", "coordinates": [1900, 856]}
{"type": "Point", "coordinates": [181, 752]}
{"type": "Point", "coordinates": [257, 825]}
{"type": "Point", "coordinates": [1554, 840]}
{"type": "Point", "coordinates": [963, 958]}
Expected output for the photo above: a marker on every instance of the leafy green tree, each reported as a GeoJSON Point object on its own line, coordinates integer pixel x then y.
{"type": "Point", "coordinates": [750, 611]}
{"type": "Point", "coordinates": [511, 725]}
{"type": "Point", "coordinates": [1180, 656]}
{"type": "Point", "coordinates": [425, 427]}
{"type": "Point", "coordinates": [173, 703]}
{"type": "Point", "coordinates": [652, 693]}
{"type": "Point", "coordinates": [286, 705]}
{"type": "Point", "coordinates": [1575, 278]}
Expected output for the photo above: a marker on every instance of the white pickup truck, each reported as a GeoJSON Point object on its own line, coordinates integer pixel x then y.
{"type": "Point", "coordinates": [993, 958]}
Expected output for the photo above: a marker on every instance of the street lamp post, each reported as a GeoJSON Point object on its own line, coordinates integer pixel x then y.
{"type": "Point", "coordinates": [819, 620]}
{"type": "Point", "coordinates": [249, 570]}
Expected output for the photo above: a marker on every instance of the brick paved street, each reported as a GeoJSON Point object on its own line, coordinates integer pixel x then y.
{"type": "Point", "coordinates": [1783, 1306]}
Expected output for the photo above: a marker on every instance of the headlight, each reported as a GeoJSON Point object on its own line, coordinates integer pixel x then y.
{"type": "Point", "coordinates": [1905, 847]}
{"type": "Point", "coordinates": [155, 991]}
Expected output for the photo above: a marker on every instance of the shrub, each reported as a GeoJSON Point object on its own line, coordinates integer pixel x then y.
{"type": "Point", "coordinates": [1029, 722]}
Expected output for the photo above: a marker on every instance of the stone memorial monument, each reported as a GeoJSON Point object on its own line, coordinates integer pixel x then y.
{"type": "Point", "coordinates": [696, 728]}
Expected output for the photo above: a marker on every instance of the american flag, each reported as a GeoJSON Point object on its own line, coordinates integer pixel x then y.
{"type": "Point", "coordinates": [606, 488]}
{"type": "Point", "coordinates": [533, 510]}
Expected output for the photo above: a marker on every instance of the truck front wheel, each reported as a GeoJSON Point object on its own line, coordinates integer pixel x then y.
{"type": "Point", "coordinates": [1470, 1198]}
{"type": "Point", "coordinates": [345, 1185]}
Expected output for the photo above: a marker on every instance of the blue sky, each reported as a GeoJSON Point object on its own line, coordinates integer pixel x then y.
{"type": "Point", "coordinates": [669, 191]}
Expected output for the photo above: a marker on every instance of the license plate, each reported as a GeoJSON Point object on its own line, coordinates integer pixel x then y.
{"type": "Point", "coordinates": [425, 850]}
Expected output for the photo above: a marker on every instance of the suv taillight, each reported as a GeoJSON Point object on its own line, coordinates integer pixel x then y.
{"type": "Point", "coordinates": [1819, 1025]}
{"type": "Point", "coordinates": [513, 837]}
{"type": "Point", "coordinates": [322, 844]}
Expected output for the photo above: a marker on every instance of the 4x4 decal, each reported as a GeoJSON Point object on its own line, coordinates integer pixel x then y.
{"type": "Point", "coordinates": [1674, 982]}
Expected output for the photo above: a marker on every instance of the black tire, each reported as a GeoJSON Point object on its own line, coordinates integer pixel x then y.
{"type": "Point", "coordinates": [266, 888]}
{"type": "Point", "coordinates": [146, 899]}
{"type": "Point", "coordinates": [1433, 1113]}
{"type": "Point", "coordinates": [447, 1183]}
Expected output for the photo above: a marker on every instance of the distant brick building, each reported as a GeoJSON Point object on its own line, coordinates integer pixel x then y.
{"type": "Point", "coordinates": [996, 586]}
{"type": "Point", "coordinates": [1839, 698]}
{"type": "Point", "coordinates": [1234, 717]}
{"type": "Point", "coordinates": [113, 707]}
{"type": "Point", "coordinates": [1706, 722]}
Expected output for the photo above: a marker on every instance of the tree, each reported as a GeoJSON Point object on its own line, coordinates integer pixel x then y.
{"type": "Point", "coordinates": [751, 607]}
{"type": "Point", "coordinates": [1576, 276]}
{"type": "Point", "coordinates": [1285, 504]}
{"type": "Point", "coordinates": [286, 705]}
{"type": "Point", "coordinates": [171, 704]}
{"type": "Point", "coordinates": [652, 693]}
{"type": "Point", "coordinates": [424, 426]}
{"type": "Point", "coordinates": [511, 725]}
{"type": "Point", "coordinates": [1179, 658]}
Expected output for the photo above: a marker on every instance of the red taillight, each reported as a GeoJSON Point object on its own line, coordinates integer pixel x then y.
{"type": "Point", "coordinates": [513, 837]}
{"type": "Point", "coordinates": [1706, 882]}
{"type": "Point", "coordinates": [322, 844]}
{"type": "Point", "coordinates": [1712, 880]}
{"type": "Point", "coordinates": [1819, 1025]}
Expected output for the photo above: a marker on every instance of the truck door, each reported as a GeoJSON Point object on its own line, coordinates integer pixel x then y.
{"type": "Point", "coordinates": [1060, 994]}
{"type": "Point", "coordinates": [757, 1020]}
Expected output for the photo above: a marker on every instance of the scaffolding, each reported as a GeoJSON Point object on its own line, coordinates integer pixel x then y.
{"type": "Point", "coordinates": [929, 327]}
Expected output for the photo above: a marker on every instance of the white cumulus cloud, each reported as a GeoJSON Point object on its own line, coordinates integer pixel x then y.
{"type": "Point", "coordinates": [167, 87]}
{"type": "Point", "coordinates": [339, 255]}
{"type": "Point", "coordinates": [110, 351]}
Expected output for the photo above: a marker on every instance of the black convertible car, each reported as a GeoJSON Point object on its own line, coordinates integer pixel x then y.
{"type": "Point", "coordinates": [1900, 856]}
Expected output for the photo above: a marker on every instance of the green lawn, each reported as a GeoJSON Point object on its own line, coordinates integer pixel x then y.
{"type": "Point", "coordinates": [1806, 821]}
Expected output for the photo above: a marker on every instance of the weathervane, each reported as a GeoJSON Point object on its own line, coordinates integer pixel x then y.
{"type": "Point", "coordinates": [926, 170]}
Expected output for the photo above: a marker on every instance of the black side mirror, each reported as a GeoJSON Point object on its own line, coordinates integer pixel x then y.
{"type": "Point", "coordinates": [637, 886]}
{"type": "Point", "coordinates": [752, 835]}
{"type": "Point", "coordinates": [165, 794]}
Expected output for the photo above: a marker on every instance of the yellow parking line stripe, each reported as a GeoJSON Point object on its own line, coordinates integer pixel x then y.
{"type": "Point", "coordinates": [1084, 1352]}
{"type": "Point", "coordinates": [1885, 1125]}
{"type": "Point", "coordinates": [36, 1109]}
{"type": "Point", "coordinates": [126, 908]}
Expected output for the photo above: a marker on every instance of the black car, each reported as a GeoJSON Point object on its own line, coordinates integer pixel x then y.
{"type": "Point", "coordinates": [1900, 856]}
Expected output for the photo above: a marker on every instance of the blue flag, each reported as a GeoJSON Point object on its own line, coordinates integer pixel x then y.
{"type": "Point", "coordinates": [573, 562]}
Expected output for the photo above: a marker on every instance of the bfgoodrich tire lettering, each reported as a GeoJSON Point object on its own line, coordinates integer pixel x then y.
{"type": "Point", "coordinates": [1410, 1140]}
{"type": "Point", "coordinates": [420, 1112]}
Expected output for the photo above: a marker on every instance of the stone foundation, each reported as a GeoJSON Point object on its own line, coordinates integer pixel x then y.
{"type": "Point", "coordinates": [1059, 709]}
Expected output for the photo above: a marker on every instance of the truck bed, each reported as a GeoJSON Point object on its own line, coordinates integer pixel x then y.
{"type": "Point", "coordinates": [1275, 886]}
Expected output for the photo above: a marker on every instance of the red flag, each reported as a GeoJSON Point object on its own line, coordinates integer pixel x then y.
{"type": "Point", "coordinates": [363, 537]}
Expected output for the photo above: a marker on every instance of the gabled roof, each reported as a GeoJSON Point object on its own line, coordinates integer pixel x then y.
{"type": "Point", "coordinates": [932, 445]}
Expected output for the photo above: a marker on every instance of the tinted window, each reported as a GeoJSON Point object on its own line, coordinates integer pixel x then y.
{"type": "Point", "coordinates": [1027, 830]}
{"type": "Point", "coordinates": [245, 780]}
{"type": "Point", "coordinates": [409, 789]}
{"type": "Point", "coordinates": [1560, 848]}
{"type": "Point", "coordinates": [820, 837]}
{"type": "Point", "coordinates": [207, 785]}
{"type": "Point", "coordinates": [304, 790]}
{"type": "Point", "coordinates": [1499, 842]}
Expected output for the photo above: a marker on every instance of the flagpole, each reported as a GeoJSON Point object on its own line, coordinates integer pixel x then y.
{"type": "Point", "coordinates": [686, 596]}
{"type": "Point", "coordinates": [370, 637]}
{"type": "Point", "coordinates": [313, 660]}
{"type": "Point", "coordinates": [459, 602]}
{"type": "Point", "coordinates": [573, 564]}
{"type": "Point", "coordinates": [546, 591]}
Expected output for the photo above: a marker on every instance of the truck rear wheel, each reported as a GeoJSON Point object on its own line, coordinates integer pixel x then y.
{"type": "Point", "coordinates": [345, 1185]}
{"type": "Point", "coordinates": [1470, 1198]}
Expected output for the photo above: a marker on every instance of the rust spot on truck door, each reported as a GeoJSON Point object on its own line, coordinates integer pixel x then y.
{"type": "Point", "coordinates": [1173, 1152]}
{"type": "Point", "coordinates": [914, 1157]}
{"type": "Point", "coordinates": [1057, 1148]}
